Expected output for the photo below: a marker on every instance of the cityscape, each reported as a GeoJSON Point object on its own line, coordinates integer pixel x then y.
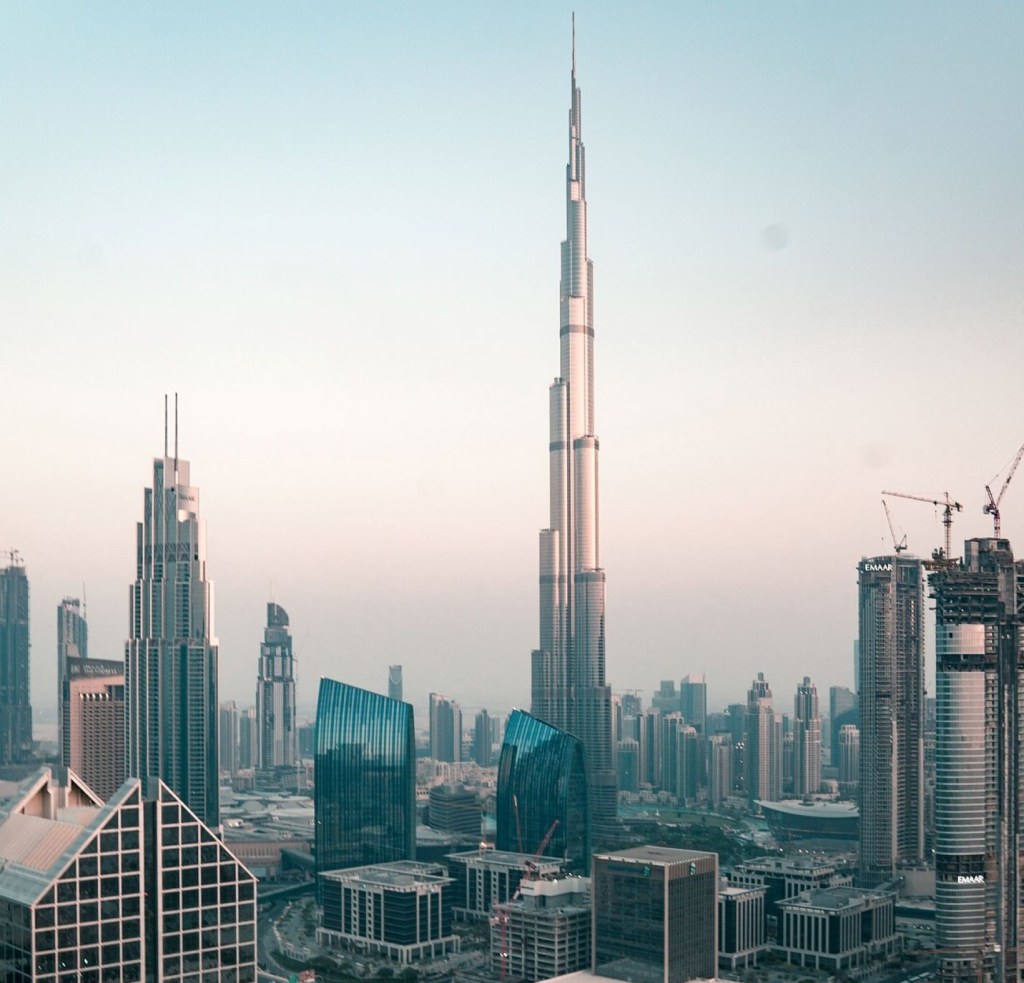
{"type": "Point", "coordinates": [793, 748]}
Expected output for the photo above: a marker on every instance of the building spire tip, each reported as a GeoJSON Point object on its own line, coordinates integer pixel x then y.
{"type": "Point", "coordinates": [574, 44]}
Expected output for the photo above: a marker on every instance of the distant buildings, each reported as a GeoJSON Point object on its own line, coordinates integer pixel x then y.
{"type": "Point", "coordinates": [842, 710]}
{"type": "Point", "coordinates": [891, 645]}
{"type": "Point", "coordinates": [763, 747]}
{"type": "Point", "coordinates": [134, 889]}
{"type": "Point", "coordinates": [92, 723]}
{"type": "Point", "coordinates": [395, 683]}
{"type": "Point", "coordinates": [542, 792]}
{"type": "Point", "coordinates": [655, 914]}
{"type": "Point", "coordinates": [806, 740]}
{"type": "Point", "coordinates": [445, 728]}
{"type": "Point", "coordinates": [455, 809]}
{"type": "Point", "coordinates": [365, 778]}
{"type": "Point", "coordinates": [485, 878]}
{"type": "Point", "coordinates": [15, 702]}
{"type": "Point", "coordinates": [171, 654]}
{"type": "Point", "coordinates": [483, 745]}
{"type": "Point", "coordinates": [275, 694]}
{"type": "Point", "coordinates": [568, 686]}
{"type": "Point", "coordinates": [849, 756]}
{"type": "Point", "coordinates": [72, 643]}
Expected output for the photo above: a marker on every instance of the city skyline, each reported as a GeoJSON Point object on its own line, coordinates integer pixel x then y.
{"type": "Point", "coordinates": [824, 229]}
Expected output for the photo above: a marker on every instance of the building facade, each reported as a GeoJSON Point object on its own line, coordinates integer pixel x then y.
{"type": "Point", "coordinates": [568, 686]}
{"type": "Point", "coordinates": [15, 701]}
{"type": "Point", "coordinates": [92, 723]}
{"type": "Point", "coordinates": [275, 694]}
{"type": "Point", "coordinates": [762, 758]}
{"type": "Point", "coordinates": [72, 643]}
{"type": "Point", "coordinates": [485, 878]}
{"type": "Point", "coordinates": [655, 915]}
{"type": "Point", "coordinates": [891, 616]}
{"type": "Point", "coordinates": [978, 762]}
{"type": "Point", "coordinates": [849, 757]}
{"type": "Point", "coordinates": [365, 778]}
{"type": "Point", "coordinates": [806, 740]}
{"type": "Point", "coordinates": [542, 792]}
{"type": "Point", "coordinates": [842, 710]}
{"type": "Point", "coordinates": [137, 888]}
{"type": "Point", "coordinates": [445, 728]}
{"type": "Point", "coordinates": [741, 938]}
{"type": "Point", "coordinates": [171, 655]}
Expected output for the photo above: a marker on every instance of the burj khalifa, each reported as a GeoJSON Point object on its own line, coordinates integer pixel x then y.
{"type": "Point", "coordinates": [568, 688]}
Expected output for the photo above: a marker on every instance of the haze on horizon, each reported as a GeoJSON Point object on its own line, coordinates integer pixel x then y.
{"type": "Point", "coordinates": [335, 233]}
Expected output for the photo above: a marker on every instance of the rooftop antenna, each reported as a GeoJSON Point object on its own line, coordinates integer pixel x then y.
{"type": "Point", "coordinates": [165, 424]}
{"type": "Point", "coordinates": [574, 44]}
{"type": "Point", "coordinates": [175, 434]}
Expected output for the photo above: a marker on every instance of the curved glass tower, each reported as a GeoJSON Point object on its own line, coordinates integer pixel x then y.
{"type": "Point", "coordinates": [541, 780]}
{"type": "Point", "coordinates": [365, 774]}
{"type": "Point", "coordinates": [568, 688]}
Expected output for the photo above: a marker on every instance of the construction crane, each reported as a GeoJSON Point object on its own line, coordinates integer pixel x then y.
{"type": "Point", "coordinates": [898, 547]}
{"type": "Point", "coordinates": [948, 506]}
{"type": "Point", "coordinates": [991, 507]}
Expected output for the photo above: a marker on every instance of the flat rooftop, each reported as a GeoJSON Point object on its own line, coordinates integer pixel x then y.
{"type": "Point", "coordinates": [656, 855]}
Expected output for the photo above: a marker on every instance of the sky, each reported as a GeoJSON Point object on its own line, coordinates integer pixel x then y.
{"type": "Point", "coordinates": [333, 229]}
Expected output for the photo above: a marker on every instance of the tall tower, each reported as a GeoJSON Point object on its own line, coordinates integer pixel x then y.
{"type": "Point", "coordinates": [445, 728]}
{"type": "Point", "coordinates": [978, 761]}
{"type": "Point", "coordinates": [15, 708]}
{"type": "Point", "coordinates": [891, 689]}
{"type": "Point", "coordinates": [568, 688]}
{"type": "Point", "coordinates": [763, 753]}
{"type": "Point", "coordinates": [806, 739]}
{"type": "Point", "coordinates": [171, 652]}
{"type": "Point", "coordinates": [72, 643]}
{"type": "Point", "coordinates": [395, 683]}
{"type": "Point", "coordinates": [275, 693]}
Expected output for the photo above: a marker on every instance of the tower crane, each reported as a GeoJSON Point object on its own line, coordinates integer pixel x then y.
{"type": "Point", "coordinates": [898, 547]}
{"type": "Point", "coordinates": [991, 507]}
{"type": "Point", "coordinates": [948, 506]}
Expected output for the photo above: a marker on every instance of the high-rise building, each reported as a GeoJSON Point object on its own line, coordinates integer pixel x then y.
{"type": "Point", "coordinates": [978, 808]}
{"type": "Point", "coordinates": [445, 728]}
{"type": "Point", "coordinates": [134, 888]}
{"type": "Point", "coordinates": [719, 768]}
{"type": "Point", "coordinates": [395, 683]}
{"type": "Point", "coordinates": [227, 734]}
{"type": "Point", "coordinates": [806, 740]}
{"type": "Point", "coordinates": [569, 690]}
{"type": "Point", "coordinates": [542, 796]}
{"type": "Point", "coordinates": [15, 705]}
{"type": "Point", "coordinates": [666, 697]}
{"type": "Point", "coordinates": [849, 756]}
{"type": "Point", "coordinates": [365, 778]}
{"type": "Point", "coordinates": [275, 694]}
{"type": "Point", "coordinates": [762, 758]}
{"type": "Point", "coordinates": [248, 739]}
{"type": "Point", "coordinates": [92, 723]}
{"type": "Point", "coordinates": [72, 643]}
{"type": "Point", "coordinates": [171, 654]}
{"type": "Point", "coordinates": [842, 710]}
{"type": "Point", "coordinates": [693, 701]}
{"type": "Point", "coordinates": [655, 915]}
{"type": "Point", "coordinates": [891, 646]}
{"type": "Point", "coordinates": [482, 746]}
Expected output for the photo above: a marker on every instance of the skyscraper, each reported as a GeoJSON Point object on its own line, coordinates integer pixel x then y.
{"type": "Point", "coordinates": [275, 693]}
{"type": "Point", "coordinates": [395, 683]}
{"type": "Point", "coordinates": [482, 753]}
{"type": "Point", "coordinates": [15, 707]}
{"type": "Point", "coordinates": [891, 689]}
{"type": "Point", "coordinates": [842, 710]}
{"type": "Point", "coordinates": [445, 728]}
{"type": "Point", "coordinates": [693, 701]}
{"type": "Point", "coordinates": [568, 688]}
{"type": "Point", "coordinates": [762, 759]}
{"type": "Point", "coordinates": [72, 643]}
{"type": "Point", "coordinates": [171, 653]}
{"type": "Point", "coordinates": [978, 808]}
{"type": "Point", "coordinates": [806, 740]}
{"type": "Point", "coordinates": [92, 723]}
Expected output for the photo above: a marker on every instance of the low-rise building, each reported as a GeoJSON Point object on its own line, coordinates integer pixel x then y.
{"type": "Point", "coordinates": [741, 938]}
{"type": "Point", "coordinates": [402, 910]}
{"type": "Point", "coordinates": [484, 878]}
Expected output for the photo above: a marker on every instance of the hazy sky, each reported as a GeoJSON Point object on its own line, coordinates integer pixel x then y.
{"type": "Point", "coordinates": [334, 230]}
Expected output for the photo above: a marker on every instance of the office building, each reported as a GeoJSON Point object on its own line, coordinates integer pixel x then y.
{"type": "Point", "coordinates": [806, 740]}
{"type": "Point", "coordinates": [171, 654]}
{"type": "Point", "coordinates": [849, 757]}
{"type": "Point", "coordinates": [542, 802]}
{"type": "Point", "coordinates": [483, 747]}
{"type": "Point", "coordinates": [365, 778]}
{"type": "Point", "coordinates": [741, 938]}
{"type": "Point", "coordinates": [891, 615]}
{"type": "Point", "coordinates": [445, 728]}
{"type": "Point", "coordinates": [665, 699]}
{"type": "Point", "coordinates": [693, 701]}
{"type": "Point", "coordinates": [978, 690]}
{"type": "Point", "coordinates": [15, 703]}
{"type": "Point", "coordinates": [544, 932]}
{"type": "Point", "coordinates": [248, 739]}
{"type": "Point", "coordinates": [395, 683]}
{"type": "Point", "coordinates": [762, 758]}
{"type": "Point", "coordinates": [568, 686]}
{"type": "Point", "coordinates": [72, 643]}
{"type": "Point", "coordinates": [485, 878]}
{"type": "Point", "coordinates": [275, 694]}
{"type": "Point", "coordinates": [227, 734]}
{"type": "Point", "coordinates": [842, 710]}
{"type": "Point", "coordinates": [401, 910]}
{"type": "Point", "coordinates": [655, 915]}
{"type": "Point", "coordinates": [455, 809]}
{"type": "Point", "coordinates": [137, 888]}
{"type": "Point", "coordinates": [92, 723]}
{"type": "Point", "coordinates": [787, 877]}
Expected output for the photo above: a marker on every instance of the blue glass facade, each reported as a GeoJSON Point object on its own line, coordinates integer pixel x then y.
{"type": "Point", "coordinates": [541, 778]}
{"type": "Point", "coordinates": [365, 774]}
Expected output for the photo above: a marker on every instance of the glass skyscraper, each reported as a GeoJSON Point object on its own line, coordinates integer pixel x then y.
{"type": "Point", "coordinates": [15, 706]}
{"type": "Point", "coordinates": [541, 780]}
{"type": "Point", "coordinates": [171, 655]}
{"type": "Point", "coordinates": [365, 775]}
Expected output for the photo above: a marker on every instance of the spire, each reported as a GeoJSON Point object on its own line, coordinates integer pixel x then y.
{"type": "Point", "coordinates": [574, 50]}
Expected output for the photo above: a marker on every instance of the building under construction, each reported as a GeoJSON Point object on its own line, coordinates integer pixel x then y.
{"type": "Point", "coordinates": [978, 763]}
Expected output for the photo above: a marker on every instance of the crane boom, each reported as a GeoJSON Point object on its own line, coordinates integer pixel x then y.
{"type": "Point", "coordinates": [948, 507]}
{"type": "Point", "coordinates": [991, 507]}
{"type": "Point", "coordinates": [897, 545]}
